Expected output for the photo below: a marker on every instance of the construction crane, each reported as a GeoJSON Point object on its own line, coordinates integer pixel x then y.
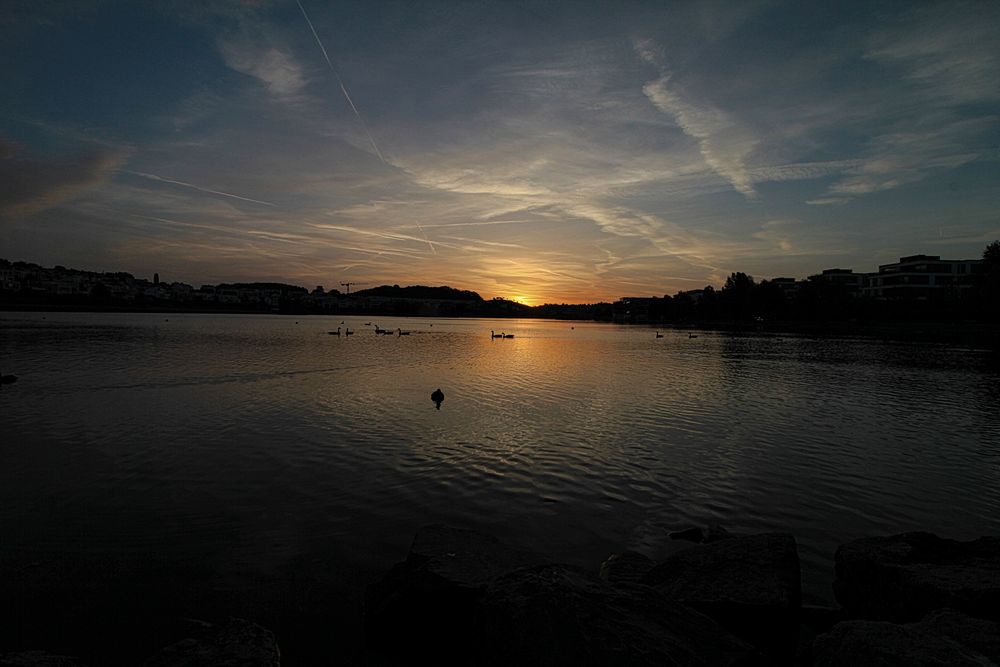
{"type": "Point", "coordinates": [348, 285]}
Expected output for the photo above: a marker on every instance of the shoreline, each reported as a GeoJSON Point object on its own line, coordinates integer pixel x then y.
{"type": "Point", "coordinates": [460, 596]}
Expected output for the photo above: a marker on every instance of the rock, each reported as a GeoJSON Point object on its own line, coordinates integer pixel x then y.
{"type": "Point", "coordinates": [627, 567]}
{"type": "Point", "coordinates": [692, 534]}
{"type": "Point", "coordinates": [976, 633]}
{"type": "Point", "coordinates": [750, 584]}
{"type": "Point", "coordinates": [237, 642]}
{"type": "Point", "coordinates": [464, 557]}
{"type": "Point", "coordinates": [714, 532]}
{"type": "Point", "coordinates": [425, 605]}
{"type": "Point", "coordinates": [904, 577]}
{"type": "Point", "coordinates": [814, 620]}
{"type": "Point", "coordinates": [882, 643]}
{"type": "Point", "coordinates": [820, 618]}
{"type": "Point", "coordinates": [39, 659]}
{"type": "Point", "coordinates": [559, 615]}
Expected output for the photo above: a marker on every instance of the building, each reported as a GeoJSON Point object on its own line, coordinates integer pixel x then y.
{"type": "Point", "coordinates": [922, 277]}
{"type": "Point", "coordinates": [786, 285]}
{"type": "Point", "coordinates": [844, 277]}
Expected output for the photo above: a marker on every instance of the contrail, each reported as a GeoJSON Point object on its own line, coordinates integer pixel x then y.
{"type": "Point", "coordinates": [154, 177]}
{"type": "Point", "coordinates": [340, 81]}
{"type": "Point", "coordinates": [433, 249]}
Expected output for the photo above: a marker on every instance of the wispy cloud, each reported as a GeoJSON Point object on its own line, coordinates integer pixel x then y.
{"type": "Point", "coordinates": [723, 142]}
{"type": "Point", "coordinates": [275, 67]}
{"type": "Point", "coordinates": [948, 51]}
{"type": "Point", "coordinates": [903, 157]}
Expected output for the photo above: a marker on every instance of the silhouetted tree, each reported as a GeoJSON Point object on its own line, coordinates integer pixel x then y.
{"type": "Point", "coordinates": [708, 305]}
{"type": "Point", "coordinates": [991, 280]}
{"type": "Point", "coordinates": [737, 296]}
{"type": "Point", "coordinates": [769, 300]}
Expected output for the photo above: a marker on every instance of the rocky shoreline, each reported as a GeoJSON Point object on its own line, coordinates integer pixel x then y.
{"type": "Point", "coordinates": [465, 598]}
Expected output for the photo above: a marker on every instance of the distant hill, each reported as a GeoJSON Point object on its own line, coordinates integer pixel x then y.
{"type": "Point", "coordinates": [420, 292]}
{"type": "Point", "coordinates": [264, 286]}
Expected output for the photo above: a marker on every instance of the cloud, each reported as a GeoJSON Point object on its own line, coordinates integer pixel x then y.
{"type": "Point", "coordinates": [950, 51]}
{"type": "Point", "coordinates": [723, 143]}
{"type": "Point", "coordinates": [776, 232]}
{"type": "Point", "coordinates": [908, 156]}
{"type": "Point", "coordinates": [29, 184]}
{"type": "Point", "coordinates": [828, 201]}
{"type": "Point", "coordinates": [275, 67]}
{"type": "Point", "coordinates": [939, 106]}
{"type": "Point", "coordinates": [801, 171]}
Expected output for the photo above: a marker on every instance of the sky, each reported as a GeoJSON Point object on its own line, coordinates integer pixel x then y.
{"type": "Point", "coordinates": [547, 152]}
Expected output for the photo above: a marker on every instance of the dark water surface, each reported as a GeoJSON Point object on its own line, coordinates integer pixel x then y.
{"type": "Point", "coordinates": [256, 465]}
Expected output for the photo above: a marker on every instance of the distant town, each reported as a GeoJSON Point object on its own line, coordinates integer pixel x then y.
{"type": "Point", "coordinates": [914, 287]}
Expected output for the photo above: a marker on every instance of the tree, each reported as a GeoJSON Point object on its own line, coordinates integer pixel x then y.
{"type": "Point", "coordinates": [991, 280]}
{"type": "Point", "coordinates": [737, 296]}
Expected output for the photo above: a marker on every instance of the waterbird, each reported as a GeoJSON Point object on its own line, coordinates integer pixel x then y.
{"type": "Point", "coordinates": [692, 335]}
{"type": "Point", "coordinates": [659, 335]}
{"type": "Point", "coordinates": [348, 333]}
{"type": "Point", "coordinates": [437, 396]}
{"type": "Point", "coordinates": [334, 333]}
{"type": "Point", "coordinates": [11, 379]}
{"type": "Point", "coordinates": [495, 335]}
{"type": "Point", "coordinates": [402, 333]}
{"type": "Point", "coordinates": [506, 335]}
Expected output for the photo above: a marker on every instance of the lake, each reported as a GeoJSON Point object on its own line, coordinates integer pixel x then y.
{"type": "Point", "coordinates": [255, 465]}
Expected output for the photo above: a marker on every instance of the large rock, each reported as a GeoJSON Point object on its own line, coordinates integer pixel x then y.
{"type": "Point", "coordinates": [881, 643]}
{"type": "Point", "coordinates": [628, 567]}
{"type": "Point", "coordinates": [903, 577]}
{"type": "Point", "coordinates": [425, 605]}
{"type": "Point", "coordinates": [976, 633]}
{"type": "Point", "coordinates": [750, 584]}
{"type": "Point", "coordinates": [558, 615]}
{"type": "Point", "coordinates": [235, 643]}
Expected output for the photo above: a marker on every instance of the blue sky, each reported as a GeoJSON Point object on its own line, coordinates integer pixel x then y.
{"type": "Point", "coordinates": [550, 152]}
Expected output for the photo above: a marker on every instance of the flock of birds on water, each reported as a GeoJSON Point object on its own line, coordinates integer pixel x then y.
{"type": "Point", "coordinates": [437, 396]}
{"type": "Point", "coordinates": [346, 331]}
{"type": "Point", "coordinates": [399, 332]}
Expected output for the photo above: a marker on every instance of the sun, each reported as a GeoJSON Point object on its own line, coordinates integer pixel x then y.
{"type": "Point", "coordinates": [520, 298]}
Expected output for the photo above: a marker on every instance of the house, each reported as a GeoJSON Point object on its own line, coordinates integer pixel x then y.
{"type": "Point", "coordinates": [922, 277]}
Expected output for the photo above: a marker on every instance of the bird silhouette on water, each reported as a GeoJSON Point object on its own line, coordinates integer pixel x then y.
{"type": "Point", "coordinates": [11, 379]}
{"type": "Point", "coordinates": [437, 396]}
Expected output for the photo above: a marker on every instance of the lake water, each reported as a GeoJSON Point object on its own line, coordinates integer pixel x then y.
{"type": "Point", "coordinates": [257, 462]}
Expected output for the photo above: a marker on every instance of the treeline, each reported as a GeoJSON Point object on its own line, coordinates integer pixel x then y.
{"type": "Point", "coordinates": [744, 301]}
{"type": "Point", "coordinates": [420, 292]}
